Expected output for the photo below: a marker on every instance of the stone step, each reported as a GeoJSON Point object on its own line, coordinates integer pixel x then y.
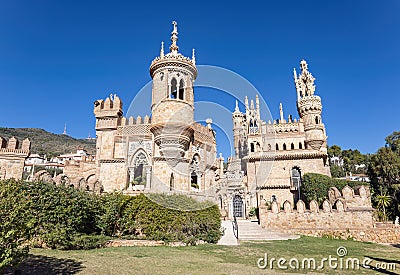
{"type": "Point", "coordinates": [251, 230]}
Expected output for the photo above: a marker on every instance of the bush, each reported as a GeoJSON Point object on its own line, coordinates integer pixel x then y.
{"type": "Point", "coordinates": [143, 216]}
{"type": "Point", "coordinates": [16, 222]}
{"type": "Point", "coordinates": [61, 217]}
{"type": "Point", "coordinates": [61, 213]}
{"type": "Point", "coordinates": [316, 186]}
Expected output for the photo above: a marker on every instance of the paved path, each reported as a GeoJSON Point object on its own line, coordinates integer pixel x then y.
{"type": "Point", "coordinates": [251, 231]}
{"type": "Point", "coordinates": [228, 238]}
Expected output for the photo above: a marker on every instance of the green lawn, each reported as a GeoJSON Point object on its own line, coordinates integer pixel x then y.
{"type": "Point", "coordinates": [207, 259]}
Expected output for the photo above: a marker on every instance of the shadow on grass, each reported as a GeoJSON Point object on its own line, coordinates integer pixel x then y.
{"type": "Point", "coordinates": [38, 264]}
{"type": "Point", "coordinates": [387, 263]}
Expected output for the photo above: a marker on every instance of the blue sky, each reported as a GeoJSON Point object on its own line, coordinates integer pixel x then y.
{"type": "Point", "coordinates": [57, 57]}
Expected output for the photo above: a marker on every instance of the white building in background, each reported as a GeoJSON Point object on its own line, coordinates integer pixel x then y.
{"type": "Point", "coordinates": [78, 156]}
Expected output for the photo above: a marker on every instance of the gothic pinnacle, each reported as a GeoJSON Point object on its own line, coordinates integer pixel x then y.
{"type": "Point", "coordinates": [193, 57]}
{"type": "Point", "coordinates": [162, 49]}
{"type": "Point", "coordinates": [174, 37]}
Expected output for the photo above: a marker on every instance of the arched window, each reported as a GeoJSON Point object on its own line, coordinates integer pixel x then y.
{"type": "Point", "coordinates": [292, 146]}
{"type": "Point", "coordinates": [252, 147]}
{"type": "Point", "coordinates": [277, 147]}
{"type": "Point", "coordinates": [316, 120]}
{"type": "Point", "coordinates": [181, 89]}
{"type": "Point", "coordinates": [253, 128]}
{"type": "Point", "coordinates": [284, 146]}
{"type": "Point", "coordinates": [174, 88]}
{"type": "Point", "coordinates": [300, 145]}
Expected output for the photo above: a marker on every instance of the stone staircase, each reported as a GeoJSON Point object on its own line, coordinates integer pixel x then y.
{"type": "Point", "coordinates": [251, 231]}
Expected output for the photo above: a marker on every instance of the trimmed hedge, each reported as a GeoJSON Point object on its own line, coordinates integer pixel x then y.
{"type": "Point", "coordinates": [316, 186]}
{"type": "Point", "coordinates": [143, 216]}
{"type": "Point", "coordinates": [65, 218]}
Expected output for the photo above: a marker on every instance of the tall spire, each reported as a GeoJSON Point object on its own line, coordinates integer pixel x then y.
{"type": "Point", "coordinates": [162, 49]}
{"type": "Point", "coordinates": [65, 129]}
{"type": "Point", "coordinates": [257, 106]}
{"type": "Point", "coordinates": [237, 106]}
{"type": "Point", "coordinates": [281, 111]}
{"type": "Point", "coordinates": [296, 83]}
{"type": "Point", "coordinates": [174, 37]}
{"type": "Point", "coordinates": [193, 57]}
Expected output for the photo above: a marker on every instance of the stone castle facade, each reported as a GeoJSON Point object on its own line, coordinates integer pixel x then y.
{"type": "Point", "coordinates": [271, 157]}
{"type": "Point", "coordinates": [170, 152]}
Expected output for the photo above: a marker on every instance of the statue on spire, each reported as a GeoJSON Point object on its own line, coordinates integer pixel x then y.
{"type": "Point", "coordinates": [174, 37]}
{"type": "Point", "coordinates": [304, 82]}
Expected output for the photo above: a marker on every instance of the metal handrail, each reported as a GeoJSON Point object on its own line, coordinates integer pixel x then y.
{"type": "Point", "coordinates": [235, 227]}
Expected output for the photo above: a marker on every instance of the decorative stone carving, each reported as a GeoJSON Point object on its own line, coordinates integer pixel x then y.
{"type": "Point", "coordinates": [362, 191]}
{"type": "Point", "coordinates": [333, 194]}
{"type": "Point", "coordinates": [300, 205]}
{"type": "Point", "coordinates": [287, 207]}
{"type": "Point", "coordinates": [326, 206]}
{"type": "Point", "coordinates": [348, 192]}
{"type": "Point", "coordinates": [314, 206]}
{"type": "Point", "coordinates": [274, 207]}
{"type": "Point", "coordinates": [339, 205]}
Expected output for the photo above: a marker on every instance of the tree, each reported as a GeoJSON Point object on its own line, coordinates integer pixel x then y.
{"type": "Point", "coordinates": [384, 172]}
{"type": "Point", "coordinates": [383, 201]}
{"type": "Point", "coordinates": [334, 150]}
{"type": "Point", "coordinates": [337, 171]}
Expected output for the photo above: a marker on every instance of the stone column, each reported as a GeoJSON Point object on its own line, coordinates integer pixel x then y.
{"type": "Point", "coordinates": [148, 177]}
{"type": "Point", "coordinates": [221, 165]}
{"type": "Point", "coordinates": [199, 180]}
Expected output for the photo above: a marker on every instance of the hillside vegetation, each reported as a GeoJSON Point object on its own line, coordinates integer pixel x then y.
{"type": "Point", "coordinates": [45, 143]}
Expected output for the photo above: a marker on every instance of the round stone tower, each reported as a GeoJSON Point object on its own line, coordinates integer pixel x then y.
{"type": "Point", "coordinates": [309, 107]}
{"type": "Point", "coordinates": [172, 112]}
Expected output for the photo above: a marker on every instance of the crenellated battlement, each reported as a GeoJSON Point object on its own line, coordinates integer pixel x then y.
{"type": "Point", "coordinates": [12, 157]}
{"type": "Point", "coordinates": [350, 205]}
{"type": "Point", "coordinates": [282, 126]}
{"type": "Point", "coordinates": [12, 146]}
{"type": "Point", "coordinates": [110, 107]}
{"type": "Point", "coordinates": [132, 121]}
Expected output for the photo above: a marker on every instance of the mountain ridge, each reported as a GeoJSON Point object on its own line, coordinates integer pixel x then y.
{"type": "Point", "coordinates": [47, 143]}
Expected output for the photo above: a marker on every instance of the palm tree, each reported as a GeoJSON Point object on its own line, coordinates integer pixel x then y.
{"type": "Point", "coordinates": [383, 201]}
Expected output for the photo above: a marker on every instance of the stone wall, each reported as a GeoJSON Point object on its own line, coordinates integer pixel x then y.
{"type": "Point", "coordinates": [390, 235]}
{"type": "Point", "coordinates": [345, 215]}
{"type": "Point", "coordinates": [353, 207]}
{"type": "Point", "coordinates": [81, 174]}
{"type": "Point", "coordinates": [12, 157]}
